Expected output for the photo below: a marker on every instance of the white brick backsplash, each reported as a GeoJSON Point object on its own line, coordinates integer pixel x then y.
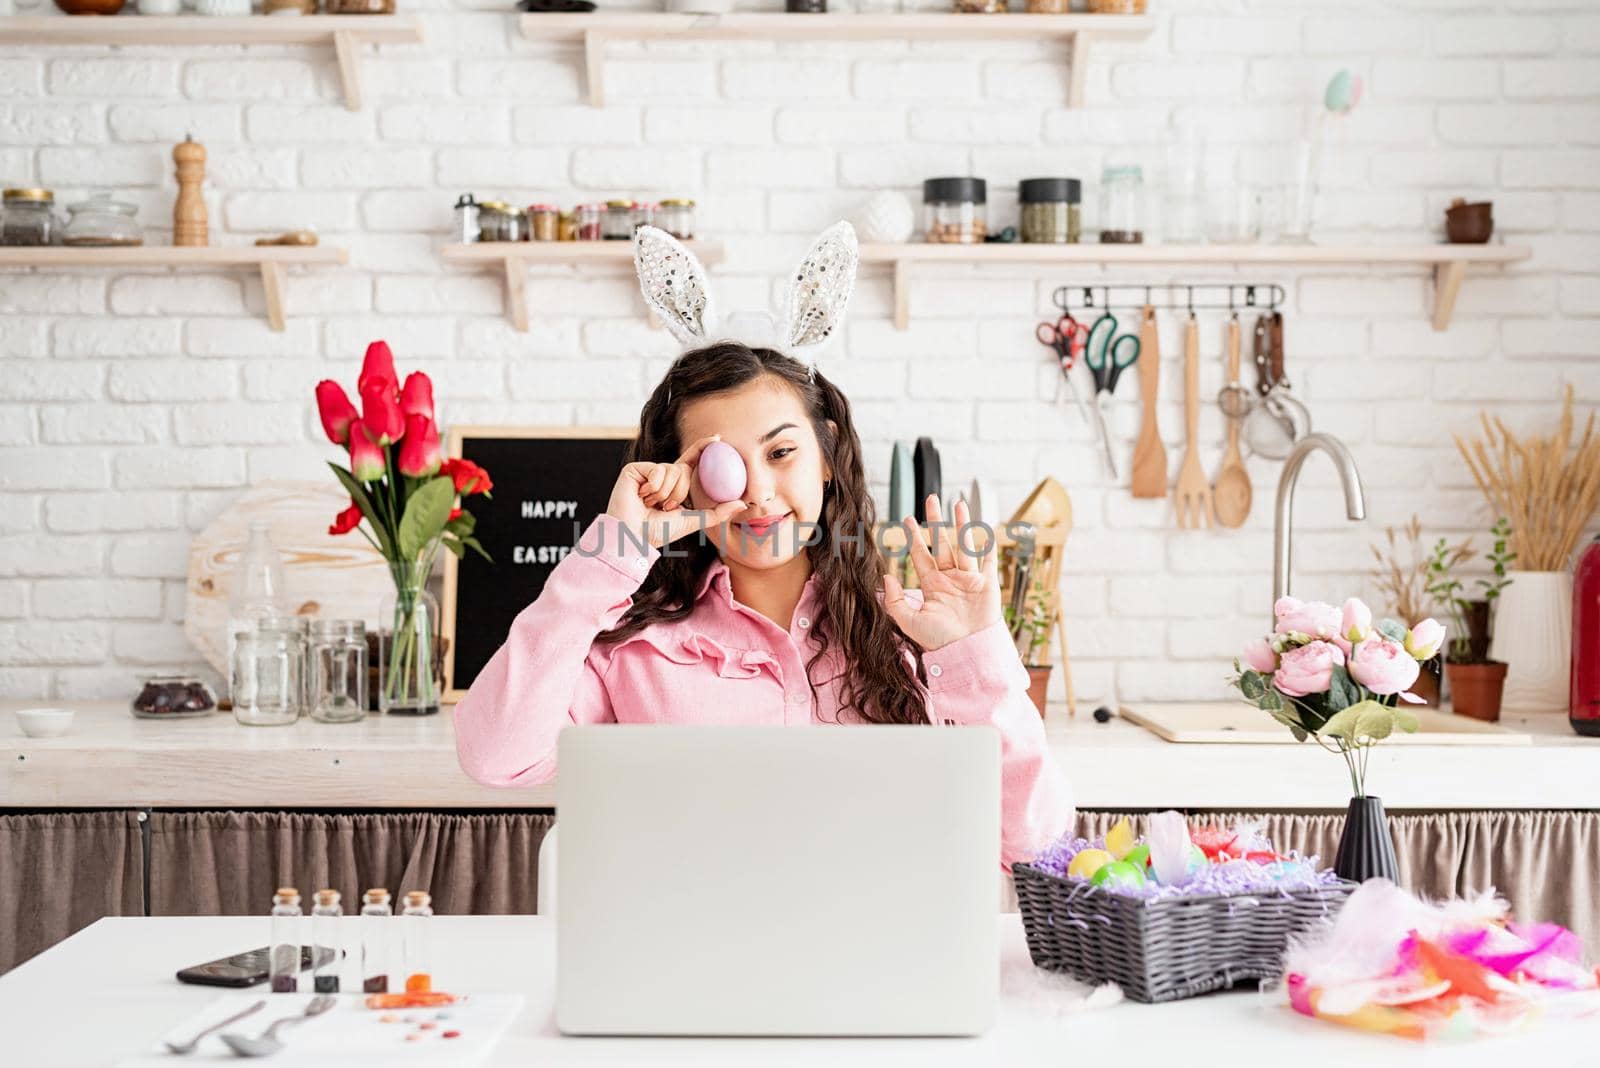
{"type": "Point", "coordinates": [81, 513]}
{"type": "Point", "coordinates": [97, 599]}
{"type": "Point", "coordinates": [138, 404]}
{"type": "Point", "coordinates": [25, 644]}
{"type": "Point", "coordinates": [114, 78]}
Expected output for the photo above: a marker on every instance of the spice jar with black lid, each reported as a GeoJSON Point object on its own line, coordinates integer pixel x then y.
{"type": "Point", "coordinates": [953, 210]}
{"type": "Point", "coordinates": [1051, 210]}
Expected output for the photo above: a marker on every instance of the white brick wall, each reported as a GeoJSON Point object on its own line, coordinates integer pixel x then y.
{"type": "Point", "coordinates": [135, 405]}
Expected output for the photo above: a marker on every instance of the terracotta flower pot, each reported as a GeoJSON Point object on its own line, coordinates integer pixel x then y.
{"type": "Point", "coordinates": [1427, 684]}
{"type": "Point", "coordinates": [1475, 689]}
{"type": "Point", "coordinates": [1038, 684]}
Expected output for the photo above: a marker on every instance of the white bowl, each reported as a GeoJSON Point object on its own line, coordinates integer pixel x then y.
{"type": "Point", "coordinates": [44, 722]}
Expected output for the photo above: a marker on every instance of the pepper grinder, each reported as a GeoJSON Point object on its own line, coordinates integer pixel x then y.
{"type": "Point", "coordinates": [189, 227]}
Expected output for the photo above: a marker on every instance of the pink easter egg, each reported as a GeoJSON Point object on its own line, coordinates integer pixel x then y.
{"type": "Point", "coordinates": [722, 473]}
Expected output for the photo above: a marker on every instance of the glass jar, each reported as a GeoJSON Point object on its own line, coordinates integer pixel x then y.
{"type": "Point", "coordinates": [408, 645]}
{"type": "Point", "coordinates": [1122, 205]}
{"type": "Point", "coordinates": [953, 210]}
{"type": "Point", "coordinates": [492, 220]}
{"type": "Point", "coordinates": [101, 221]}
{"type": "Point", "coordinates": [542, 222]}
{"type": "Point", "coordinates": [515, 225]}
{"type": "Point", "coordinates": [618, 223]}
{"type": "Point", "coordinates": [28, 218]}
{"type": "Point", "coordinates": [266, 682]}
{"type": "Point", "coordinates": [676, 217]}
{"type": "Point", "coordinates": [467, 230]}
{"type": "Point", "coordinates": [1051, 210]}
{"type": "Point", "coordinates": [567, 226]}
{"type": "Point", "coordinates": [338, 670]}
{"type": "Point", "coordinates": [173, 697]}
{"type": "Point", "coordinates": [644, 214]}
{"type": "Point", "coordinates": [589, 222]}
{"type": "Point", "coordinates": [980, 7]}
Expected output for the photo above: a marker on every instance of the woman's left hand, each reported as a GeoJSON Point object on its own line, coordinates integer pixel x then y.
{"type": "Point", "coordinates": [960, 593]}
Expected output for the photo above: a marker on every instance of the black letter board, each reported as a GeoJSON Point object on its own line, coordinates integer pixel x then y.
{"type": "Point", "coordinates": [545, 480]}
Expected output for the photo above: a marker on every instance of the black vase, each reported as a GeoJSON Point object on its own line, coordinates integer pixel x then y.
{"type": "Point", "coordinates": [1365, 849]}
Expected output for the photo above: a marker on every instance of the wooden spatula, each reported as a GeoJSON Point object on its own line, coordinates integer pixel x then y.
{"type": "Point", "coordinates": [1149, 455]}
{"type": "Point", "coordinates": [1193, 497]}
{"type": "Point", "coordinates": [1231, 496]}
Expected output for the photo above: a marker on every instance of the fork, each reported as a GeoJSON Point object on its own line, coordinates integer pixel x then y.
{"type": "Point", "coordinates": [1192, 496]}
{"type": "Point", "coordinates": [181, 1048]}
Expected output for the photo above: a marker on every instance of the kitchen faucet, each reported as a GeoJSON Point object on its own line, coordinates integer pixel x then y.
{"type": "Point", "coordinates": [1355, 504]}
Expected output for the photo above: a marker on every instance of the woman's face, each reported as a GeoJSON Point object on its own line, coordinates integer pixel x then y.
{"type": "Point", "coordinates": [766, 422]}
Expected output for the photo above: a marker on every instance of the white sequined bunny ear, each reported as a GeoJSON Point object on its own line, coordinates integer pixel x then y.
{"type": "Point", "coordinates": [674, 284]}
{"type": "Point", "coordinates": [819, 290]}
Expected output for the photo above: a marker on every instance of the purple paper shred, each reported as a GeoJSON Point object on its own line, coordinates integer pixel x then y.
{"type": "Point", "coordinates": [1234, 878]}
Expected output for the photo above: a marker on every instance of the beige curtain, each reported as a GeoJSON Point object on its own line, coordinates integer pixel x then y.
{"type": "Point", "coordinates": [229, 863]}
{"type": "Point", "coordinates": [60, 872]}
{"type": "Point", "coordinates": [1547, 864]}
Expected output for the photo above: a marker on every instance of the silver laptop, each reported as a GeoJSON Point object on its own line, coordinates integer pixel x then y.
{"type": "Point", "coordinates": [777, 880]}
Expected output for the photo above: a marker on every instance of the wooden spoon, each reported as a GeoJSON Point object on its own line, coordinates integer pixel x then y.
{"type": "Point", "coordinates": [1149, 455]}
{"type": "Point", "coordinates": [1231, 495]}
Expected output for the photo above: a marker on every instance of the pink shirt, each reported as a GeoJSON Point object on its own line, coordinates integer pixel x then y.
{"type": "Point", "coordinates": [725, 664]}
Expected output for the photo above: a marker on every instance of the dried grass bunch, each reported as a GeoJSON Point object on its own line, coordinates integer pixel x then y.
{"type": "Point", "coordinates": [1546, 488]}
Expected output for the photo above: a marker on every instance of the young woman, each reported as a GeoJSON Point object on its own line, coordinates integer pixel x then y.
{"type": "Point", "coordinates": [770, 609]}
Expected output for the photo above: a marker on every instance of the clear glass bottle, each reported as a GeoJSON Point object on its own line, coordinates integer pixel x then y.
{"type": "Point", "coordinates": [264, 680]}
{"type": "Point", "coordinates": [258, 586]}
{"type": "Point", "coordinates": [284, 957]}
{"type": "Point", "coordinates": [338, 669]}
{"type": "Point", "coordinates": [377, 941]}
{"type": "Point", "coordinates": [953, 211]}
{"type": "Point", "coordinates": [418, 941]}
{"type": "Point", "coordinates": [325, 957]}
{"type": "Point", "coordinates": [1122, 205]}
{"type": "Point", "coordinates": [298, 630]}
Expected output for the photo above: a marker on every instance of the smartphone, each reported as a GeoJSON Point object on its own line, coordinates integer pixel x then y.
{"type": "Point", "coordinates": [241, 969]}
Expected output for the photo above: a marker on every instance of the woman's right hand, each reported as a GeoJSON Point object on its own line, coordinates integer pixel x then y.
{"type": "Point", "coordinates": [654, 494]}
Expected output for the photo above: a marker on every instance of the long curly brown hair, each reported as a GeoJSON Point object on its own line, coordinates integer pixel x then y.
{"type": "Point", "coordinates": [876, 683]}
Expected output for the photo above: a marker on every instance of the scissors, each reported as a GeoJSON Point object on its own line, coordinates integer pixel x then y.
{"type": "Point", "coordinates": [1067, 337]}
{"type": "Point", "coordinates": [1108, 356]}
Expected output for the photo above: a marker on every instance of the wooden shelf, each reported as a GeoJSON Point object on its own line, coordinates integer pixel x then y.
{"type": "Point", "coordinates": [514, 257]}
{"type": "Point", "coordinates": [344, 33]}
{"type": "Point", "coordinates": [1449, 262]}
{"type": "Point", "coordinates": [271, 260]}
{"type": "Point", "coordinates": [594, 30]}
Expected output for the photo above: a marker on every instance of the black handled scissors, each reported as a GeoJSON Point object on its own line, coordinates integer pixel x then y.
{"type": "Point", "coordinates": [1067, 337]}
{"type": "Point", "coordinates": [1108, 356]}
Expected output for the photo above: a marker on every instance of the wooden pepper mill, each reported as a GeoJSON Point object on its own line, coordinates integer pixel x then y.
{"type": "Point", "coordinates": [189, 227]}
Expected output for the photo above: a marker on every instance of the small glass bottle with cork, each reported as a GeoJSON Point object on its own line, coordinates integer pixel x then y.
{"type": "Point", "coordinates": [377, 941]}
{"type": "Point", "coordinates": [325, 942]}
{"type": "Point", "coordinates": [418, 941]}
{"type": "Point", "coordinates": [284, 957]}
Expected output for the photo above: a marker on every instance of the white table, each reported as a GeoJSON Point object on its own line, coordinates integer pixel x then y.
{"type": "Point", "coordinates": [108, 992]}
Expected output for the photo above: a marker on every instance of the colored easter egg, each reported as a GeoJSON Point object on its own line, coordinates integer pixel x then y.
{"type": "Point", "coordinates": [1139, 856]}
{"type": "Point", "coordinates": [722, 472]}
{"type": "Point", "coordinates": [1197, 858]}
{"type": "Point", "coordinates": [1119, 839]}
{"type": "Point", "coordinates": [1086, 863]}
{"type": "Point", "coordinates": [1343, 92]}
{"type": "Point", "coordinates": [1119, 873]}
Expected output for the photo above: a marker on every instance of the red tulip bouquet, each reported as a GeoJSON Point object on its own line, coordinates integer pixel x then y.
{"type": "Point", "coordinates": [407, 493]}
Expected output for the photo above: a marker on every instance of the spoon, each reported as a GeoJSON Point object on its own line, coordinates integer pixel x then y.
{"type": "Point", "coordinates": [1230, 497]}
{"type": "Point", "coordinates": [181, 1048]}
{"type": "Point", "coordinates": [267, 1043]}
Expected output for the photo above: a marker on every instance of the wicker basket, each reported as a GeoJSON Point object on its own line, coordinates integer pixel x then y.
{"type": "Point", "coordinates": [1166, 949]}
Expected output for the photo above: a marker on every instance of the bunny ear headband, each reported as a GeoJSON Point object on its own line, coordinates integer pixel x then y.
{"type": "Point", "coordinates": [674, 286]}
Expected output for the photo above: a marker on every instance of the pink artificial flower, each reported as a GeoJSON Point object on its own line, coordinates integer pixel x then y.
{"type": "Point", "coordinates": [1383, 666]}
{"type": "Point", "coordinates": [1307, 669]}
{"type": "Point", "coordinates": [419, 452]}
{"type": "Point", "coordinates": [1316, 618]}
{"type": "Point", "coordinates": [416, 396]}
{"type": "Point", "coordinates": [1356, 623]}
{"type": "Point", "coordinates": [1425, 638]}
{"type": "Point", "coordinates": [366, 459]}
{"type": "Point", "coordinates": [1260, 657]}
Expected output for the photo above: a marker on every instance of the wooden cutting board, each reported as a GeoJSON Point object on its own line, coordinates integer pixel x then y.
{"type": "Point", "coordinates": [326, 574]}
{"type": "Point", "coordinates": [1236, 722]}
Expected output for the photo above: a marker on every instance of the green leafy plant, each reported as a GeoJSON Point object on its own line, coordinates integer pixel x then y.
{"type": "Point", "coordinates": [1498, 557]}
{"type": "Point", "coordinates": [1445, 589]}
{"type": "Point", "coordinates": [1033, 633]}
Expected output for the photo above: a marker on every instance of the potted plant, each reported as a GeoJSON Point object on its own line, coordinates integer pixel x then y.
{"type": "Point", "coordinates": [1476, 680]}
{"type": "Point", "coordinates": [1032, 636]}
{"type": "Point", "coordinates": [409, 497]}
{"type": "Point", "coordinates": [1331, 675]}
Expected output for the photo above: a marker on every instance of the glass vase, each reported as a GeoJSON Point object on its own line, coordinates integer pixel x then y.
{"type": "Point", "coordinates": [408, 632]}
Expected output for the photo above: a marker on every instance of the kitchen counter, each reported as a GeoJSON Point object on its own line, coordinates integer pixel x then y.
{"type": "Point", "coordinates": [114, 760]}
{"type": "Point", "coordinates": [120, 971]}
